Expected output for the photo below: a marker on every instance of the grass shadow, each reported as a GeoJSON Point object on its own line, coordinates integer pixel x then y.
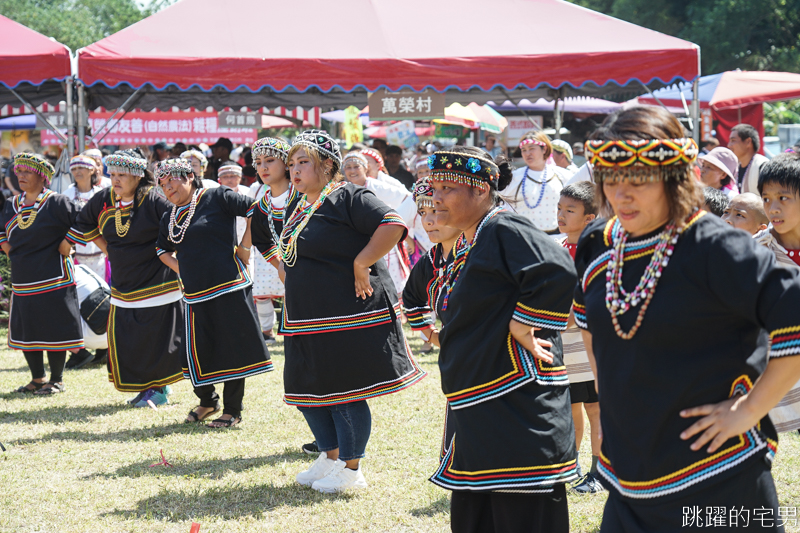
{"type": "Point", "coordinates": [228, 503]}
{"type": "Point", "coordinates": [136, 434]}
{"type": "Point", "coordinates": [20, 369]}
{"type": "Point", "coordinates": [442, 505]}
{"type": "Point", "coordinates": [59, 413]}
{"type": "Point", "coordinates": [210, 469]}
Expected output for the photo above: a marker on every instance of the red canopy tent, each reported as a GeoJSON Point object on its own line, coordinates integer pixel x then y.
{"type": "Point", "coordinates": [187, 56]}
{"type": "Point", "coordinates": [32, 65]}
{"type": "Point", "coordinates": [734, 97]}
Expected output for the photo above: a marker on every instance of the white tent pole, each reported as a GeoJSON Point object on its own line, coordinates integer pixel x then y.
{"type": "Point", "coordinates": [82, 115]}
{"type": "Point", "coordinates": [70, 120]}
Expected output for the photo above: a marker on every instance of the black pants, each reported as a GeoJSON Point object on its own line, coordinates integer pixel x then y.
{"type": "Point", "coordinates": [232, 396]}
{"type": "Point", "coordinates": [36, 364]}
{"type": "Point", "coordinates": [505, 512]}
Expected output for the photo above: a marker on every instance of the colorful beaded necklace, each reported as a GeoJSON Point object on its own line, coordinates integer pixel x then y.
{"type": "Point", "coordinates": [25, 223]}
{"type": "Point", "coordinates": [278, 213]}
{"type": "Point", "coordinates": [460, 253]}
{"type": "Point", "coordinates": [618, 300]}
{"type": "Point", "coordinates": [541, 190]}
{"type": "Point", "coordinates": [298, 221]}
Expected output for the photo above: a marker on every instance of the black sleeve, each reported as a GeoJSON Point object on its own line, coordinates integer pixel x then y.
{"type": "Point", "coordinates": [586, 253]}
{"type": "Point", "coordinates": [543, 271]}
{"type": "Point", "coordinates": [262, 235]}
{"type": "Point", "coordinates": [235, 204]}
{"type": "Point", "coordinates": [5, 215]}
{"type": "Point", "coordinates": [415, 294]}
{"type": "Point", "coordinates": [368, 213]}
{"type": "Point", "coordinates": [771, 292]}
{"type": "Point", "coordinates": [163, 244]}
{"type": "Point", "coordinates": [66, 211]}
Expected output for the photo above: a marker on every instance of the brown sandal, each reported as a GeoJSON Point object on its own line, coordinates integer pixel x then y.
{"type": "Point", "coordinates": [225, 424]}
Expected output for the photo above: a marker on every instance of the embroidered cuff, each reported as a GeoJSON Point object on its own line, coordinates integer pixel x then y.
{"type": "Point", "coordinates": [393, 219]}
{"type": "Point", "coordinates": [540, 318]}
{"type": "Point", "coordinates": [78, 237]}
{"type": "Point", "coordinates": [3, 237]}
{"type": "Point", "coordinates": [250, 211]}
{"type": "Point", "coordinates": [160, 251]}
{"type": "Point", "coordinates": [419, 318]}
{"type": "Point", "coordinates": [580, 315]}
{"type": "Point", "coordinates": [785, 341]}
{"type": "Point", "coordinates": [270, 253]}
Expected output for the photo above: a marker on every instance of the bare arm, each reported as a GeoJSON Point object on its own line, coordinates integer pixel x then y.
{"type": "Point", "coordinates": [65, 248]}
{"type": "Point", "coordinates": [244, 248]}
{"type": "Point", "coordinates": [6, 247]}
{"type": "Point", "coordinates": [172, 263]}
{"type": "Point", "coordinates": [523, 334]}
{"type": "Point", "coordinates": [383, 240]}
{"type": "Point", "coordinates": [736, 415]}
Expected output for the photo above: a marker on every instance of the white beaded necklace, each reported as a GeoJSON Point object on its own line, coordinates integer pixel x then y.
{"type": "Point", "coordinates": [173, 223]}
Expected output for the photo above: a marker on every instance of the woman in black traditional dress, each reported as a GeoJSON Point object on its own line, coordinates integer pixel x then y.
{"type": "Point", "coordinates": [44, 312]}
{"type": "Point", "coordinates": [212, 265]}
{"type": "Point", "coordinates": [504, 300]}
{"type": "Point", "coordinates": [343, 346]}
{"type": "Point", "coordinates": [679, 311]}
{"type": "Point", "coordinates": [145, 325]}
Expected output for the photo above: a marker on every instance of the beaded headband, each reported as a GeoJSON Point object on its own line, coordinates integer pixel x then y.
{"type": "Point", "coordinates": [460, 167]}
{"type": "Point", "coordinates": [26, 162]}
{"type": "Point", "coordinates": [233, 169]}
{"type": "Point", "coordinates": [126, 164]}
{"type": "Point", "coordinates": [173, 168]}
{"type": "Point", "coordinates": [82, 161]}
{"type": "Point", "coordinates": [646, 159]}
{"type": "Point", "coordinates": [357, 157]}
{"type": "Point", "coordinates": [423, 193]}
{"type": "Point", "coordinates": [537, 142]}
{"type": "Point", "coordinates": [269, 146]}
{"type": "Point", "coordinates": [197, 154]}
{"type": "Point", "coordinates": [374, 154]}
{"type": "Point", "coordinates": [422, 163]}
{"type": "Point", "coordinates": [322, 142]}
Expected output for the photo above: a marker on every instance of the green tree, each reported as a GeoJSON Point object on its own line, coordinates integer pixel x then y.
{"type": "Point", "coordinates": [746, 34]}
{"type": "Point", "coordinates": [78, 23]}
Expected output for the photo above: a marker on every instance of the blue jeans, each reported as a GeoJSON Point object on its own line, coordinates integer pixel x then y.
{"type": "Point", "coordinates": [345, 426]}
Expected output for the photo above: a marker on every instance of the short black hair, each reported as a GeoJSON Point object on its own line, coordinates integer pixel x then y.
{"type": "Point", "coordinates": [583, 192]}
{"type": "Point", "coordinates": [394, 149]}
{"type": "Point", "coordinates": [746, 131]}
{"type": "Point", "coordinates": [783, 169]}
{"type": "Point", "coordinates": [716, 200]}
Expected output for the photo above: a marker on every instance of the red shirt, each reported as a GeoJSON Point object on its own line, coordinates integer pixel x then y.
{"type": "Point", "coordinates": [794, 255]}
{"type": "Point", "coordinates": [572, 247]}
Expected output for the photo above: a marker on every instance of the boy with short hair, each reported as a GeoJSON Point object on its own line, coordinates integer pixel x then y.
{"type": "Point", "coordinates": [715, 201]}
{"type": "Point", "coordinates": [779, 185]}
{"type": "Point", "coordinates": [576, 209]}
{"type": "Point", "coordinates": [746, 212]}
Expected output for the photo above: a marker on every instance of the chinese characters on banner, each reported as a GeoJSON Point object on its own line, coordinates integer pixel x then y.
{"type": "Point", "coordinates": [406, 104]}
{"type": "Point", "coordinates": [147, 128]}
{"type": "Point", "coordinates": [519, 126]}
{"type": "Point", "coordinates": [353, 128]}
{"type": "Point", "coordinates": [239, 119]}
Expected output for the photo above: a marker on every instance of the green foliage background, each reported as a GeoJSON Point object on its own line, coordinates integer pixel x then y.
{"type": "Point", "coordinates": [78, 23]}
{"type": "Point", "coordinates": [745, 34]}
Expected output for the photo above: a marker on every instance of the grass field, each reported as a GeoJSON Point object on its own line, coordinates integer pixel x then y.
{"type": "Point", "coordinates": [81, 462]}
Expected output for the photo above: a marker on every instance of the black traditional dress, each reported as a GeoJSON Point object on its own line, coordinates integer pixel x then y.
{"type": "Point", "coordinates": [511, 413]}
{"type": "Point", "coordinates": [44, 313]}
{"type": "Point", "coordinates": [223, 337]}
{"type": "Point", "coordinates": [145, 325]}
{"type": "Point", "coordinates": [420, 298]}
{"type": "Point", "coordinates": [341, 348]}
{"type": "Point", "coordinates": [705, 338]}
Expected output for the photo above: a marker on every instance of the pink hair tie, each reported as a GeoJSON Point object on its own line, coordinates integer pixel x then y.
{"type": "Point", "coordinates": [532, 141]}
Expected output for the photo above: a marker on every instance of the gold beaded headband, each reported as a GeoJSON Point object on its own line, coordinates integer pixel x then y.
{"type": "Point", "coordinates": [648, 159]}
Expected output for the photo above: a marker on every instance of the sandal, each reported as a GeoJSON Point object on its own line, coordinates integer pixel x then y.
{"type": "Point", "coordinates": [224, 424]}
{"type": "Point", "coordinates": [25, 389]}
{"type": "Point", "coordinates": [193, 417]}
{"type": "Point", "coordinates": [54, 388]}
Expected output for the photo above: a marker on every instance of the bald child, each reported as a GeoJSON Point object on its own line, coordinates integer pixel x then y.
{"type": "Point", "coordinates": [746, 211]}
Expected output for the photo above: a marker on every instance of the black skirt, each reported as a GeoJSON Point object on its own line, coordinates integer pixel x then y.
{"type": "Point", "coordinates": [518, 442]}
{"type": "Point", "coordinates": [46, 321]}
{"type": "Point", "coordinates": [144, 346]}
{"type": "Point", "coordinates": [747, 500]}
{"type": "Point", "coordinates": [224, 340]}
{"type": "Point", "coordinates": [348, 366]}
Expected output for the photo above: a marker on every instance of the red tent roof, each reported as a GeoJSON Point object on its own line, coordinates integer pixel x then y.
{"type": "Point", "coordinates": [29, 57]}
{"type": "Point", "coordinates": [361, 45]}
{"type": "Point", "coordinates": [31, 64]}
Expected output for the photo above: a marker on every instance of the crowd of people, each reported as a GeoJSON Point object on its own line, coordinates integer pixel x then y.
{"type": "Point", "coordinates": [650, 289]}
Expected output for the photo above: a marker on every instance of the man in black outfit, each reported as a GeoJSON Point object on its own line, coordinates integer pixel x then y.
{"type": "Point", "coordinates": [396, 170]}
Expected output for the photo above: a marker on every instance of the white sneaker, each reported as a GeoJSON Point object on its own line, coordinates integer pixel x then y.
{"type": "Point", "coordinates": [341, 478]}
{"type": "Point", "coordinates": [318, 470]}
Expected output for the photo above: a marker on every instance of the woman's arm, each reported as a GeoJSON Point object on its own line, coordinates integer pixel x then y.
{"type": "Point", "coordinates": [523, 334]}
{"type": "Point", "coordinates": [383, 240]}
{"type": "Point", "coordinates": [6, 247]}
{"type": "Point", "coordinates": [736, 415]}
{"type": "Point", "coordinates": [65, 248]}
{"type": "Point", "coordinates": [172, 263]}
{"type": "Point", "coordinates": [244, 248]}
